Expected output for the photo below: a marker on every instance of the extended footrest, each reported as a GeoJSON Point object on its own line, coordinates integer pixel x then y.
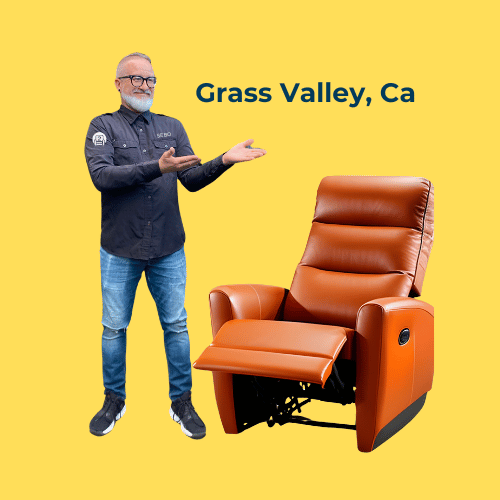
{"type": "Point", "coordinates": [277, 349]}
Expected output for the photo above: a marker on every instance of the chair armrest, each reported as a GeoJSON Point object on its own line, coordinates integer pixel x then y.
{"type": "Point", "coordinates": [245, 302]}
{"type": "Point", "coordinates": [240, 302]}
{"type": "Point", "coordinates": [392, 371]}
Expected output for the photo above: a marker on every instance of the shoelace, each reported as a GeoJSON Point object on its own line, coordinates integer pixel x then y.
{"type": "Point", "coordinates": [186, 407]}
{"type": "Point", "coordinates": [110, 404]}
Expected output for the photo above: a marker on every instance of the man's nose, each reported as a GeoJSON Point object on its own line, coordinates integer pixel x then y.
{"type": "Point", "coordinates": [144, 85]}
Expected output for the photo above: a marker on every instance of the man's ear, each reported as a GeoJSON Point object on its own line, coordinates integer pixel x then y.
{"type": "Point", "coordinates": [118, 84]}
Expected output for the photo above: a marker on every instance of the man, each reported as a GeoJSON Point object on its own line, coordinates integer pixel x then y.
{"type": "Point", "coordinates": [135, 158]}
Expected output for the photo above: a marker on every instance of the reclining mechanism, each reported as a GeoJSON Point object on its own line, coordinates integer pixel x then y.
{"type": "Point", "coordinates": [347, 331]}
{"type": "Point", "coordinates": [274, 401]}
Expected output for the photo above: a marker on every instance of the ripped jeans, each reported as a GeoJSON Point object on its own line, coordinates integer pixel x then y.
{"type": "Point", "coordinates": [166, 279]}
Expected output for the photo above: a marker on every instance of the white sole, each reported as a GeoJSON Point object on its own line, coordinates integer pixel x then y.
{"type": "Point", "coordinates": [175, 418]}
{"type": "Point", "coordinates": [120, 415]}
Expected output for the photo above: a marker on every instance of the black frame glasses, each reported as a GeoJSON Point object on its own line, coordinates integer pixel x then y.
{"type": "Point", "coordinates": [150, 80]}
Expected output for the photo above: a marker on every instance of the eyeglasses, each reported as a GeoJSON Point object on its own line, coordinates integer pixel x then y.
{"type": "Point", "coordinates": [137, 80]}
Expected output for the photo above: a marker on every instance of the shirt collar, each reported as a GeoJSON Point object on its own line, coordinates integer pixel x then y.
{"type": "Point", "coordinates": [131, 116]}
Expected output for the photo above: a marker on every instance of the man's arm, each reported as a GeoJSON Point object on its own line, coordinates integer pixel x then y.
{"type": "Point", "coordinates": [199, 176]}
{"type": "Point", "coordinates": [105, 174]}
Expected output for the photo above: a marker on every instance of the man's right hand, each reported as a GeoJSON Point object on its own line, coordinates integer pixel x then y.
{"type": "Point", "coordinates": [170, 164]}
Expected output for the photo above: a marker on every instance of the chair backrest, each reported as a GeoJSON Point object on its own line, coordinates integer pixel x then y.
{"type": "Point", "coordinates": [370, 238]}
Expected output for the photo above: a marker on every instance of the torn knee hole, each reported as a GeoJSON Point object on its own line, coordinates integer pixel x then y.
{"type": "Point", "coordinates": [111, 333]}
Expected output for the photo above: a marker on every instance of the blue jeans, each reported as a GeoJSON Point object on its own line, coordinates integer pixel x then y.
{"type": "Point", "coordinates": [166, 279]}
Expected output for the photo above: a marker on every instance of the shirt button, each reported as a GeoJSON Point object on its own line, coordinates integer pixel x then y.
{"type": "Point", "coordinates": [143, 150]}
{"type": "Point", "coordinates": [124, 145]}
{"type": "Point", "coordinates": [140, 130]}
{"type": "Point", "coordinates": [149, 197]}
{"type": "Point", "coordinates": [149, 222]}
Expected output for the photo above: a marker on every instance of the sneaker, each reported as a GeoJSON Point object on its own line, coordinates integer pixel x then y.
{"type": "Point", "coordinates": [183, 412]}
{"type": "Point", "coordinates": [112, 410]}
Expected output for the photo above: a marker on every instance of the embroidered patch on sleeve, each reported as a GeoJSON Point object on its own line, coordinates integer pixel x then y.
{"type": "Point", "coordinates": [99, 139]}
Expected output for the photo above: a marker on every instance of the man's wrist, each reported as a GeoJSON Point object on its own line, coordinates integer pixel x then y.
{"type": "Point", "coordinates": [225, 161]}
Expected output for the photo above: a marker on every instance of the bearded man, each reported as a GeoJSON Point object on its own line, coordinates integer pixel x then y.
{"type": "Point", "coordinates": [135, 158]}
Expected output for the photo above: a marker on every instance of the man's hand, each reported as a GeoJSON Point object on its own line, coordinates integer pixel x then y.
{"type": "Point", "coordinates": [240, 152]}
{"type": "Point", "coordinates": [170, 164]}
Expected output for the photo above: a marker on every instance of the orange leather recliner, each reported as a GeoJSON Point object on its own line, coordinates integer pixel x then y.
{"type": "Point", "coordinates": [349, 329]}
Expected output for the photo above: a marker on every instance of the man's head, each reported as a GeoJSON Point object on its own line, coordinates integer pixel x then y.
{"type": "Point", "coordinates": [135, 95]}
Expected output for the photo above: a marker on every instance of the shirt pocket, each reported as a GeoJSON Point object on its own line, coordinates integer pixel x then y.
{"type": "Point", "coordinates": [162, 145]}
{"type": "Point", "coordinates": [126, 152]}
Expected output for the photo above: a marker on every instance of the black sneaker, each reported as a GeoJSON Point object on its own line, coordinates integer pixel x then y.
{"type": "Point", "coordinates": [183, 412]}
{"type": "Point", "coordinates": [112, 410]}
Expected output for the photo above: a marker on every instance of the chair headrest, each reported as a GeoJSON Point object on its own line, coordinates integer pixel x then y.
{"type": "Point", "coordinates": [374, 201]}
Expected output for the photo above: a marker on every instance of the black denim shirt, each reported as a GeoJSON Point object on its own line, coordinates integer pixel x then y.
{"type": "Point", "coordinates": [140, 208]}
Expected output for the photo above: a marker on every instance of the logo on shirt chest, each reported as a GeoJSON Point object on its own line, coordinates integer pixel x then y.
{"type": "Point", "coordinates": [164, 134]}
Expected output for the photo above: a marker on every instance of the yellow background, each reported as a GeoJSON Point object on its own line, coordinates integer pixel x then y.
{"type": "Point", "coordinates": [250, 226]}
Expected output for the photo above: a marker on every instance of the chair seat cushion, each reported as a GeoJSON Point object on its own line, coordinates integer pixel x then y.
{"type": "Point", "coordinates": [277, 349]}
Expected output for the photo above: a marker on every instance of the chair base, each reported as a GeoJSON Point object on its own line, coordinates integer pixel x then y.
{"type": "Point", "coordinates": [395, 425]}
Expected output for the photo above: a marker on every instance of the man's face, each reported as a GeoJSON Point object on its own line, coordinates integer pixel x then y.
{"type": "Point", "coordinates": [138, 99]}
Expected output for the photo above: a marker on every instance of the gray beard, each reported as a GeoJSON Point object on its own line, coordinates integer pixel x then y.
{"type": "Point", "coordinates": [137, 104]}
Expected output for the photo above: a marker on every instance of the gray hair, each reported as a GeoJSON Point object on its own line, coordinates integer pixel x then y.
{"type": "Point", "coordinates": [134, 54]}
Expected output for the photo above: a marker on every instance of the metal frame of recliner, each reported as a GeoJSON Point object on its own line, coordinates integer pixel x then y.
{"type": "Point", "coordinates": [386, 369]}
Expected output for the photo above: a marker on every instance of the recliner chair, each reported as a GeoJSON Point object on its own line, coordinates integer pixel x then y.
{"type": "Point", "coordinates": [348, 331]}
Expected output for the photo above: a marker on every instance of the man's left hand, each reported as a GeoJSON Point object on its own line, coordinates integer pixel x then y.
{"type": "Point", "coordinates": [240, 152]}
